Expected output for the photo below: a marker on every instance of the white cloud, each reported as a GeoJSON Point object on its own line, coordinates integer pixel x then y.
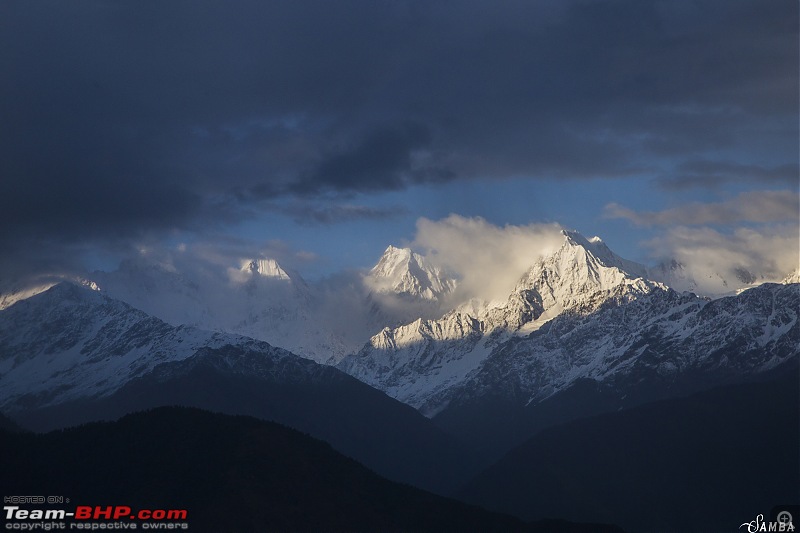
{"type": "Point", "coordinates": [489, 259]}
{"type": "Point", "coordinates": [768, 253]}
{"type": "Point", "coordinates": [727, 245]}
{"type": "Point", "coordinates": [752, 206]}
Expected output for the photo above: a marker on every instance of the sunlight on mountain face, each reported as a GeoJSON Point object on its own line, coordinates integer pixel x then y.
{"type": "Point", "coordinates": [488, 259]}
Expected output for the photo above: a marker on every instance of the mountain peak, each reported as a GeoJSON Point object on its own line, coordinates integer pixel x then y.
{"type": "Point", "coordinates": [574, 238]}
{"type": "Point", "coordinates": [13, 294]}
{"type": "Point", "coordinates": [394, 250]}
{"type": "Point", "coordinates": [268, 268]}
{"type": "Point", "coordinates": [601, 253]}
{"type": "Point", "coordinates": [674, 274]}
{"type": "Point", "coordinates": [393, 257]}
{"type": "Point", "coordinates": [581, 275]}
{"type": "Point", "coordinates": [794, 277]}
{"type": "Point", "coordinates": [401, 271]}
{"type": "Point", "coordinates": [66, 290]}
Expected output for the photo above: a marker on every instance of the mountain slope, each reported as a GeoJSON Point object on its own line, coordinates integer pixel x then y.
{"type": "Point", "coordinates": [583, 332]}
{"type": "Point", "coordinates": [661, 345]}
{"type": "Point", "coordinates": [793, 277]}
{"type": "Point", "coordinates": [707, 463]}
{"type": "Point", "coordinates": [420, 362]}
{"type": "Point", "coordinates": [403, 272]}
{"type": "Point", "coordinates": [262, 300]}
{"type": "Point", "coordinates": [11, 293]}
{"type": "Point", "coordinates": [71, 355]}
{"type": "Point", "coordinates": [402, 287]}
{"type": "Point", "coordinates": [69, 342]}
{"type": "Point", "coordinates": [232, 474]}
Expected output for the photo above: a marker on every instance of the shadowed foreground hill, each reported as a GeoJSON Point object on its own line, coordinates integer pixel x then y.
{"type": "Point", "coordinates": [232, 473]}
{"type": "Point", "coordinates": [9, 425]}
{"type": "Point", "coordinates": [704, 463]}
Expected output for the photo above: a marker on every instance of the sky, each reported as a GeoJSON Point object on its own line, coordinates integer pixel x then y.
{"type": "Point", "coordinates": [318, 133]}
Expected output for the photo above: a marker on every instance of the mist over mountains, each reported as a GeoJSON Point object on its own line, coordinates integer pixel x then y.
{"type": "Point", "coordinates": [407, 326]}
{"type": "Point", "coordinates": [332, 317]}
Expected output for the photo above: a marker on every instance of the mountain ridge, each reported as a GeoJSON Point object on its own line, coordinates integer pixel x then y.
{"type": "Point", "coordinates": [661, 345]}
{"type": "Point", "coordinates": [434, 355]}
{"type": "Point", "coordinates": [71, 355]}
{"type": "Point", "coordinates": [581, 333]}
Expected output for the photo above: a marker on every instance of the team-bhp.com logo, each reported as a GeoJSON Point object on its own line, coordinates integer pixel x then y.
{"type": "Point", "coordinates": [783, 522]}
{"type": "Point", "coordinates": [94, 517]}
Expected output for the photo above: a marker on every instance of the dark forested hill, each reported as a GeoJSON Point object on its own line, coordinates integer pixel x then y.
{"type": "Point", "coordinates": [708, 462]}
{"type": "Point", "coordinates": [231, 473]}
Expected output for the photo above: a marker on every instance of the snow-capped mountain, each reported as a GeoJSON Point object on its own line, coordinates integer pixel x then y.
{"type": "Point", "coordinates": [426, 362]}
{"type": "Point", "coordinates": [578, 278]}
{"type": "Point", "coordinates": [661, 335]}
{"type": "Point", "coordinates": [710, 282]}
{"type": "Point", "coordinates": [268, 268]}
{"type": "Point", "coordinates": [266, 302]}
{"type": "Point", "coordinates": [793, 277]}
{"type": "Point", "coordinates": [71, 355]}
{"type": "Point", "coordinates": [263, 300]}
{"type": "Point", "coordinates": [662, 345]}
{"type": "Point", "coordinates": [69, 343]}
{"type": "Point", "coordinates": [260, 299]}
{"type": "Point", "coordinates": [405, 273]}
{"type": "Point", "coordinates": [11, 293]}
{"type": "Point", "coordinates": [579, 319]}
{"type": "Point", "coordinates": [402, 287]}
{"type": "Point", "coordinates": [159, 290]}
{"type": "Point", "coordinates": [673, 274]}
{"type": "Point", "coordinates": [420, 361]}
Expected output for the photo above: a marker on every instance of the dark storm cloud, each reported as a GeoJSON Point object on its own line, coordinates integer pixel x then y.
{"type": "Point", "coordinates": [313, 214]}
{"type": "Point", "coordinates": [383, 160]}
{"type": "Point", "coordinates": [715, 174]}
{"type": "Point", "coordinates": [122, 118]}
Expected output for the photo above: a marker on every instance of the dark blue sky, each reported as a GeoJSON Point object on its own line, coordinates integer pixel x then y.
{"type": "Point", "coordinates": [319, 132]}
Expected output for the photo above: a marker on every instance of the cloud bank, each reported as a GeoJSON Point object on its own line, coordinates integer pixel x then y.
{"type": "Point", "coordinates": [721, 263]}
{"type": "Point", "coordinates": [727, 245]}
{"type": "Point", "coordinates": [753, 206]}
{"type": "Point", "coordinates": [127, 120]}
{"type": "Point", "coordinates": [710, 174]}
{"type": "Point", "coordinates": [489, 259]}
